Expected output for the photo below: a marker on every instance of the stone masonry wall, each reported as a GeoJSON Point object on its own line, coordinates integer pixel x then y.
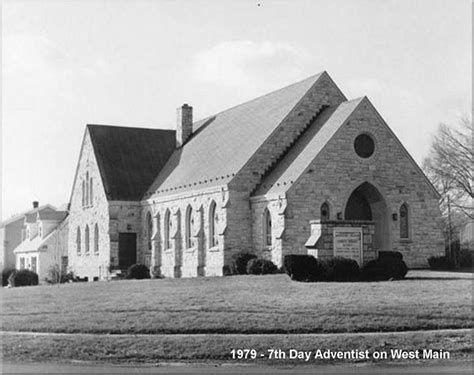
{"type": "Point", "coordinates": [276, 206]}
{"type": "Point", "coordinates": [92, 265]}
{"type": "Point", "coordinates": [178, 260]}
{"type": "Point", "coordinates": [337, 171]}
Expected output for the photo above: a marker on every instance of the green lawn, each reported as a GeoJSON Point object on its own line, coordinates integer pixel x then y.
{"type": "Point", "coordinates": [242, 304]}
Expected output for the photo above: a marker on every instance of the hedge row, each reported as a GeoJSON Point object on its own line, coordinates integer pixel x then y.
{"type": "Point", "coordinates": [308, 268]}
{"type": "Point", "coordinates": [23, 278]}
{"type": "Point", "coordinates": [246, 263]}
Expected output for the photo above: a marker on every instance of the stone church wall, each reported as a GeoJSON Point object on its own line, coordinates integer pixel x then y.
{"type": "Point", "coordinates": [337, 171]}
{"type": "Point", "coordinates": [178, 260]}
{"type": "Point", "coordinates": [92, 265]}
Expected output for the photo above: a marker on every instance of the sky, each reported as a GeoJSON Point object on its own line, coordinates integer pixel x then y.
{"type": "Point", "coordinates": [68, 63]}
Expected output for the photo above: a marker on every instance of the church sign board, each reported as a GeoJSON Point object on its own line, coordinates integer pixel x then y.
{"type": "Point", "coordinates": [348, 243]}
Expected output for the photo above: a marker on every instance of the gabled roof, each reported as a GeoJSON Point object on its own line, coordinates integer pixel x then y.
{"type": "Point", "coordinates": [222, 144]}
{"type": "Point", "coordinates": [53, 216]}
{"type": "Point", "coordinates": [130, 158]}
{"type": "Point", "coordinates": [21, 216]}
{"type": "Point", "coordinates": [306, 148]}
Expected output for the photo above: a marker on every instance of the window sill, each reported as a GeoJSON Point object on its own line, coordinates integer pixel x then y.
{"type": "Point", "coordinates": [405, 240]}
{"type": "Point", "coordinates": [190, 250]}
{"type": "Point", "coordinates": [214, 249]}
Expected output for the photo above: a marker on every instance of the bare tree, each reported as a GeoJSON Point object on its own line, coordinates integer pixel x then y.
{"type": "Point", "coordinates": [449, 167]}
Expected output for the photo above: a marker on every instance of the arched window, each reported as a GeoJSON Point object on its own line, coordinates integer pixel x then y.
{"type": "Point", "coordinates": [324, 212]}
{"type": "Point", "coordinates": [267, 217]}
{"type": "Point", "coordinates": [87, 188]}
{"type": "Point", "coordinates": [91, 196]}
{"type": "Point", "coordinates": [78, 241]}
{"type": "Point", "coordinates": [189, 228]}
{"type": "Point", "coordinates": [404, 232]}
{"type": "Point", "coordinates": [213, 221]}
{"type": "Point", "coordinates": [96, 239]}
{"type": "Point", "coordinates": [149, 230]}
{"type": "Point", "coordinates": [83, 193]}
{"type": "Point", "coordinates": [86, 239]}
{"type": "Point", "coordinates": [167, 230]}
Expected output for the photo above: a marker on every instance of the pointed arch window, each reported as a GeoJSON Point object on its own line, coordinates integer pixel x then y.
{"type": "Point", "coordinates": [404, 221]}
{"type": "Point", "coordinates": [87, 188]}
{"type": "Point", "coordinates": [149, 230]}
{"type": "Point", "coordinates": [324, 212]}
{"type": "Point", "coordinates": [213, 221]}
{"type": "Point", "coordinates": [96, 239]}
{"type": "Point", "coordinates": [83, 193]}
{"type": "Point", "coordinates": [267, 218]}
{"type": "Point", "coordinates": [91, 192]}
{"type": "Point", "coordinates": [167, 230]}
{"type": "Point", "coordinates": [86, 240]}
{"type": "Point", "coordinates": [189, 228]}
{"type": "Point", "coordinates": [78, 241]}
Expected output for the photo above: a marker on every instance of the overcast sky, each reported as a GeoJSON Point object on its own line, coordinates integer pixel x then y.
{"type": "Point", "coordinates": [131, 62]}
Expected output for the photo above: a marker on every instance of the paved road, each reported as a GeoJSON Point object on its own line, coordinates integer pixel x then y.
{"type": "Point", "coordinates": [452, 368]}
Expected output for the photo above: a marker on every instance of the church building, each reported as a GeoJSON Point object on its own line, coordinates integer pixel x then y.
{"type": "Point", "coordinates": [265, 177]}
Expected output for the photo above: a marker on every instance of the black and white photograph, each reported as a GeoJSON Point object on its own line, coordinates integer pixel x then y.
{"type": "Point", "coordinates": [236, 187]}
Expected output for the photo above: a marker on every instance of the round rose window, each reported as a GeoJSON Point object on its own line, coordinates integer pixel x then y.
{"type": "Point", "coordinates": [364, 146]}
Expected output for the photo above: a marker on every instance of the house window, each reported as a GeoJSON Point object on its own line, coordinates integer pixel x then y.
{"type": "Point", "coordinates": [324, 212]}
{"type": "Point", "coordinates": [149, 230]}
{"type": "Point", "coordinates": [167, 230]}
{"type": "Point", "coordinates": [268, 227]}
{"type": "Point", "coordinates": [33, 264]}
{"type": "Point", "coordinates": [78, 241]}
{"type": "Point", "coordinates": [86, 240]}
{"type": "Point", "coordinates": [28, 233]}
{"type": "Point", "coordinates": [213, 221]}
{"type": "Point", "coordinates": [22, 263]}
{"type": "Point", "coordinates": [404, 232]}
{"type": "Point", "coordinates": [96, 239]}
{"type": "Point", "coordinates": [189, 228]}
{"type": "Point", "coordinates": [40, 231]}
{"type": "Point", "coordinates": [91, 196]}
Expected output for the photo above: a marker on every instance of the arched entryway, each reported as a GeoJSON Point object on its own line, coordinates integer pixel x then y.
{"type": "Point", "coordinates": [367, 203]}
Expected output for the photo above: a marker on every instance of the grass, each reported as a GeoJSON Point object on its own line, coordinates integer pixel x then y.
{"type": "Point", "coordinates": [152, 349]}
{"type": "Point", "coordinates": [242, 304]}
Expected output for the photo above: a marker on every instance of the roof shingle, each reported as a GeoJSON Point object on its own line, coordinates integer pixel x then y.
{"type": "Point", "coordinates": [130, 158]}
{"type": "Point", "coordinates": [222, 144]}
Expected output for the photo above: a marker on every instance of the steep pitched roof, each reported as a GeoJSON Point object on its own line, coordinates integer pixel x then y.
{"type": "Point", "coordinates": [130, 158]}
{"type": "Point", "coordinates": [53, 216]}
{"type": "Point", "coordinates": [222, 144]}
{"type": "Point", "coordinates": [21, 216]}
{"type": "Point", "coordinates": [306, 148]}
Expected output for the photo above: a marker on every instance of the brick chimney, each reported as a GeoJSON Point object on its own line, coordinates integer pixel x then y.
{"type": "Point", "coordinates": [35, 204]}
{"type": "Point", "coordinates": [184, 125]}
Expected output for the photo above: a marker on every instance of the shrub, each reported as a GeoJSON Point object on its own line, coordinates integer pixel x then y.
{"type": "Point", "coordinates": [258, 266]}
{"type": "Point", "coordinates": [384, 269]}
{"type": "Point", "coordinates": [440, 263]}
{"type": "Point", "coordinates": [138, 271]}
{"type": "Point", "coordinates": [303, 268]}
{"type": "Point", "coordinates": [465, 257]}
{"type": "Point", "coordinates": [23, 278]}
{"type": "Point", "coordinates": [390, 255]}
{"type": "Point", "coordinates": [239, 263]}
{"type": "Point", "coordinates": [341, 269]}
{"type": "Point", "coordinates": [6, 272]}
